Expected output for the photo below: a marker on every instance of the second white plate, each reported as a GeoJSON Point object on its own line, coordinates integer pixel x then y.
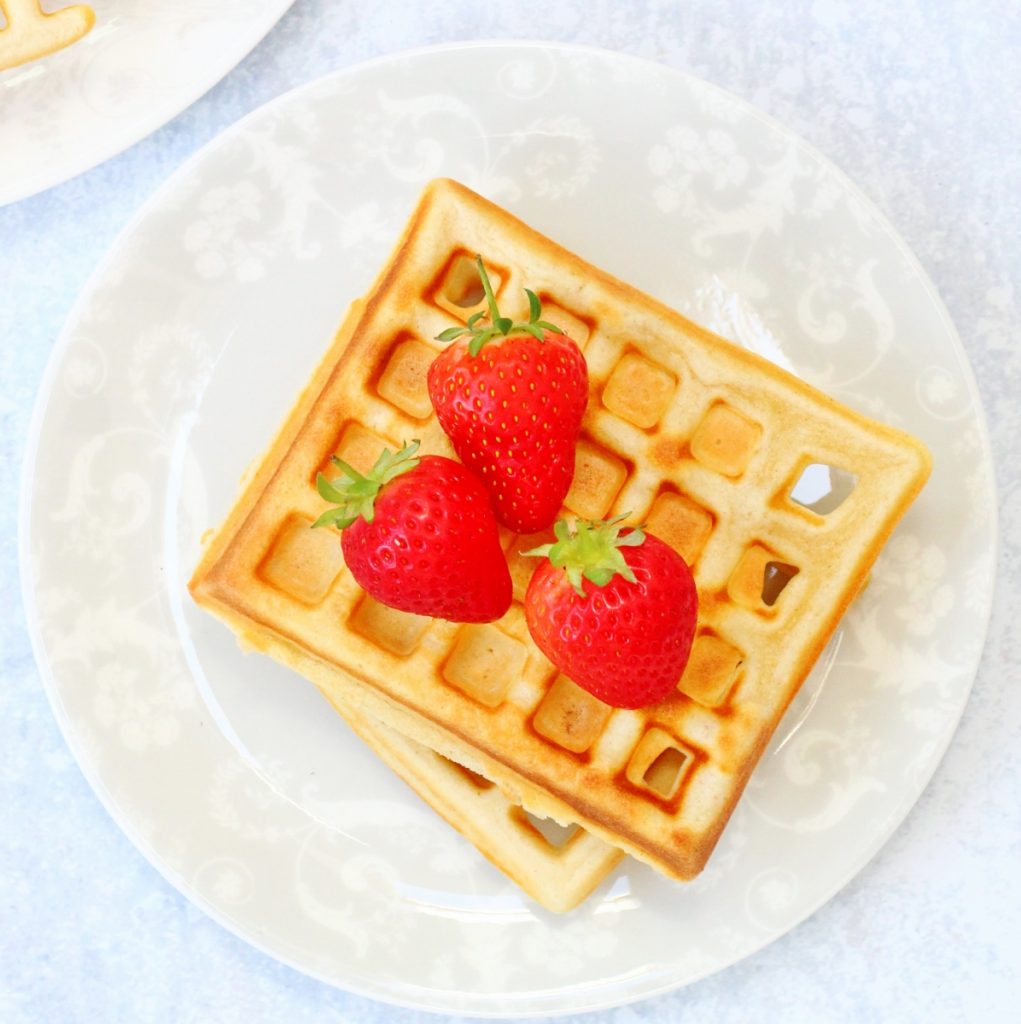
{"type": "Point", "coordinates": [142, 63]}
{"type": "Point", "coordinates": [189, 346]}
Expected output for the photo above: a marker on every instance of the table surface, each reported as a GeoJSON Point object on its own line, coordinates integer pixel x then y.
{"type": "Point", "coordinates": [920, 103]}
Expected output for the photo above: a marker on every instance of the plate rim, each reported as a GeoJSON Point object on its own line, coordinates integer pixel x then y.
{"type": "Point", "coordinates": [189, 97]}
{"type": "Point", "coordinates": [404, 995]}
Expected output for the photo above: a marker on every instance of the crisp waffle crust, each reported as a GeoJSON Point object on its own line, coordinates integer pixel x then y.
{"type": "Point", "coordinates": [702, 440]}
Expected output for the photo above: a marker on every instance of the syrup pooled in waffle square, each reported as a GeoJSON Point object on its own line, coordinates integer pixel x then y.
{"type": "Point", "coordinates": [703, 441]}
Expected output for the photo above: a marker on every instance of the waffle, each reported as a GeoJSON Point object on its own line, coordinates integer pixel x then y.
{"type": "Point", "coordinates": [31, 33]}
{"type": "Point", "coordinates": [556, 866]}
{"type": "Point", "coordinates": [705, 442]}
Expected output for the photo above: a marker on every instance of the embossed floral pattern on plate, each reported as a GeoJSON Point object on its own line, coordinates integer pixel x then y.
{"type": "Point", "coordinates": [185, 353]}
{"type": "Point", "coordinates": [143, 62]}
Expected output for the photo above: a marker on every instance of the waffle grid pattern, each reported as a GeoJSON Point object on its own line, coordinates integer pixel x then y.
{"type": "Point", "coordinates": [701, 442]}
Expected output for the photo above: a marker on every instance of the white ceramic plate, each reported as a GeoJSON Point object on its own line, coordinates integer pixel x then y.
{"type": "Point", "coordinates": [186, 351]}
{"type": "Point", "coordinates": [142, 63]}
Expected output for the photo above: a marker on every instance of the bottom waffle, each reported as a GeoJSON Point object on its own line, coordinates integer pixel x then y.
{"type": "Point", "coordinates": [556, 866]}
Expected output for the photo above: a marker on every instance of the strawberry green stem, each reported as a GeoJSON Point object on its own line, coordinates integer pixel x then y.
{"type": "Point", "coordinates": [499, 326]}
{"type": "Point", "coordinates": [591, 551]}
{"type": "Point", "coordinates": [354, 494]}
{"type": "Point", "coordinates": [494, 312]}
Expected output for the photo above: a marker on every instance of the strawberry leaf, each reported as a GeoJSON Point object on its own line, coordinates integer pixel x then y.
{"type": "Point", "coordinates": [348, 471]}
{"type": "Point", "coordinates": [451, 333]}
{"type": "Point", "coordinates": [574, 577]}
{"type": "Point", "coordinates": [547, 326]}
{"type": "Point", "coordinates": [632, 539]}
{"type": "Point", "coordinates": [355, 493]}
{"type": "Point", "coordinates": [334, 517]}
{"type": "Point", "coordinates": [327, 490]}
{"type": "Point", "coordinates": [534, 306]}
{"type": "Point", "coordinates": [499, 326]}
{"type": "Point", "coordinates": [475, 345]}
{"type": "Point", "coordinates": [591, 551]}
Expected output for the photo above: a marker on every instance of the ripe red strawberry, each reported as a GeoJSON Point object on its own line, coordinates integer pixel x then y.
{"type": "Point", "coordinates": [614, 610]}
{"type": "Point", "coordinates": [510, 396]}
{"type": "Point", "coordinates": [419, 535]}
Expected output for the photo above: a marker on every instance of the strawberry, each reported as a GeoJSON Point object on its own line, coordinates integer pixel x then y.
{"type": "Point", "coordinates": [419, 535]}
{"type": "Point", "coordinates": [510, 396]}
{"type": "Point", "coordinates": [615, 610]}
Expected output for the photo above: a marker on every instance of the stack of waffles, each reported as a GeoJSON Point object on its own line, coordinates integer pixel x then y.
{"type": "Point", "coordinates": [700, 440]}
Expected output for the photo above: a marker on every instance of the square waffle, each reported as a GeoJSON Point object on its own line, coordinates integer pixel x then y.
{"type": "Point", "coordinates": [703, 441]}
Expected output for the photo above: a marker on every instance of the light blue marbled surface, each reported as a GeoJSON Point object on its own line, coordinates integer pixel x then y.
{"type": "Point", "coordinates": [920, 103]}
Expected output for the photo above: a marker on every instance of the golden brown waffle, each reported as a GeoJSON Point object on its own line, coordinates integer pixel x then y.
{"type": "Point", "coordinates": [700, 439]}
{"type": "Point", "coordinates": [557, 866]}
{"type": "Point", "coordinates": [30, 33]}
